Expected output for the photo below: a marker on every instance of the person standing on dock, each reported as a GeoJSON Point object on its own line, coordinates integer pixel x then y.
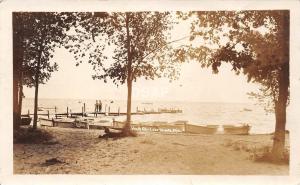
{"type": "Point", "coordinates": [96, 106]}
{"type": "Point", "coordinates": [100, 106]}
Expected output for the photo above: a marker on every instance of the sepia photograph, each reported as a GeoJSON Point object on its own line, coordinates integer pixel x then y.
{"type": "Point", "coordinates": [151, 92]}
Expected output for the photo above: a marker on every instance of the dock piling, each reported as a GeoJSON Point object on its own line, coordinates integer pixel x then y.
{"type": "Point", "coordinates": [95, 113]}
{"type": "Point", "coordinates": [67, 112]}
{"type": "Point", "coordinates": [48, 114]}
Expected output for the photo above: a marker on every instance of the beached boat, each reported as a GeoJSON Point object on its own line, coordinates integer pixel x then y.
{"type": "Point", "coordinates": [237, 129]}
{"type": "Point", "coordinates": [156, 126]}
{"type": "Point", "coordinates": [26, 120]}
{"type": "Point", "coordinates": [46, 122]}
{"type": "Point", "coordinates": [81, 124]}
{"type": "Point", "coordinates": [198, 129]}
{"type": "Point", "coordinates": [64, 123]}
{"type": "Point", "coordinates": [100, 123]}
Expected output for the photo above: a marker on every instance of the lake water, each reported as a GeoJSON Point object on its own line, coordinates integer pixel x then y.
{"type": "Point", "coordinates": [194, 112]}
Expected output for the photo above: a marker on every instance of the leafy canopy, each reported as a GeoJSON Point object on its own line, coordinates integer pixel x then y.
{"type": "Point", "coordinates": [253, 42]}
{"type": "Point", "coordinates": [37, 35]}
{"type": "Point", "coordinates": [147, 54]}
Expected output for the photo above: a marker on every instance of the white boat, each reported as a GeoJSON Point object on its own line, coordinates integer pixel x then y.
{"type": "Point", "coordinates": [100, 123]}
{"type": "Point", "coordinates": [237, 129]}
{"type": "Point", "coordinates": [25, 120]}
{"type": "Point", "coordinates": [64, 123]}
{"type": "Point", "coordinates": [199, 129]}
{"type": "Point", "coordinates": [46, 122]}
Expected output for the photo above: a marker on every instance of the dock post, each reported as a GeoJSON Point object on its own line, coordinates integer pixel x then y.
{"type": "Point", "coordinates": [95, 113]}
{"type": "Point", "coordinates": [82, 111]}
{"type": "Point", "coordinates": [28, 113]}
{"type": "Point", "coordinates": [55, 109]}
{"type": "Point", "coordinates": [67, 112]}
{"type": "Point", "coordinates": [119, 111]}
{"type": "Point", "coordinates": [185, 127]}
{"type": "Point", "coordinates": [137, 109]}
{"type": "Point", "coordinates": [84, 107]}
{"type": "Point", "coordinates": [48, 114]}
{"type": "Point", "coordinates": [108, 110]}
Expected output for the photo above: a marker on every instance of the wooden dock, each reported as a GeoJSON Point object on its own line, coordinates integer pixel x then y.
{"type": "Point", "coordinates": [85, 113]}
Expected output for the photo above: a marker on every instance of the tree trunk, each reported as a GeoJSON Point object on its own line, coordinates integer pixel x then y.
{"type": "Point", "coordinates": [36, 92]}
{"type": "Point", "coordinates": [20, 97]}
{"type": "Point", "coordinates": [283, 83]}
{"type": "Point", "coordinates": [16, 118]}
{"type": "Point", "coordinates": [127, 127]}
{"type": "Point", "coordinates": [129, 93]}
{"type": "Point", "coordinates": [17, 62]}
{"type": "Point", "coordinates": [280, 113]}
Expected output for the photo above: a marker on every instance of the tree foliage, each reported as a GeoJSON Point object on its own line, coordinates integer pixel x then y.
{"type": "Point", "coordinates": [39, 33]}
{"type": "Point", "coordinates": [255, 43]}
{"type": "Point", "coordinates": [100, 31]}
{"type": "Point", "coordinates": [36, 35]}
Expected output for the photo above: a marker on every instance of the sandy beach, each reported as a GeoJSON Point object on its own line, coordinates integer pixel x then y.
{"type": "Point", "coordinates": [82, 152]}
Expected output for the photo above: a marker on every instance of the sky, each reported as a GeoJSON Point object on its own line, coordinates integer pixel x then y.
{"type": "Point", "coordinates": [194, 84]}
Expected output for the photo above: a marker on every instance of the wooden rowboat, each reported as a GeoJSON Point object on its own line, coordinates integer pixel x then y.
{"type": "Point", "coordinates": [198, 129]}
{"type": "Point", "coordinates": [64, 123]}
{"type": "Point", "coordinates": [46, 122]}
{"type": "Point", "coordinates": [237, 130]}
{"type": "Point", "coordinates": [26, 120]}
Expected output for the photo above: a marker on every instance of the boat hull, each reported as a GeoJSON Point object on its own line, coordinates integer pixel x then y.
{"type": "Point", "coordinates": [236, 130]}
{"type": "Point", "coordinates": [26, 120]}
{"type": "Point", "coordinates": [64, 124]}
{"type": "Point", "coordinates": [46, 122]}
{"type": "Point", "coordinates": [197, 129]}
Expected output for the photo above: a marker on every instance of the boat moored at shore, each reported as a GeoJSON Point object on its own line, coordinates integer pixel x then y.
{"type": "Point", "coordinates": [237, 129]}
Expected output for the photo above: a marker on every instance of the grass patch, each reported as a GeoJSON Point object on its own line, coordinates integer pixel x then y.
{"type": "Point", "coordinates": [264, 154]}
{"type": "Point", "coordinates": [32, 136]}
{"type": "Point", "coordinates": [258, 153]}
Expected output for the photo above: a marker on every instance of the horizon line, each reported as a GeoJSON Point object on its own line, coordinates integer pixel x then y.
{"type": "Point", "coordinates": [191, 101]}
